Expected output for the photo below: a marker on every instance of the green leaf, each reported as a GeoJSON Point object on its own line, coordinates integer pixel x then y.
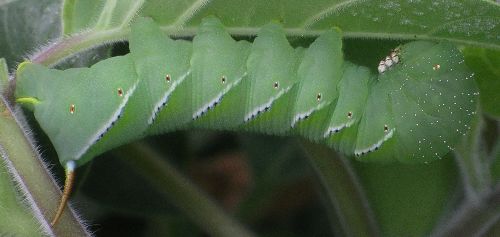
{"type": "Point", "coordinates": [486, 65]}
{"type": "Point", "coordinates": [470, 21]}
{"type": "Point", "coordinates": [466, 22]}
{"type": "Point", "coordinates": [98, 15]}
{"type": "Point", "coordinates": [26, 24]}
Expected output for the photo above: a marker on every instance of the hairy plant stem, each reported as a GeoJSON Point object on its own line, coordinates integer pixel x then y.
{"type": "Point", "coordinates": [472, 159]}
{"type": "Point", "coordinates": [31, 176]}
{"type": "Point", "coordinates": [344, 192]}
{"type": "Point", "coordinates": [181, 192]}
{"type": "Point", "coordinates": [66, 47]}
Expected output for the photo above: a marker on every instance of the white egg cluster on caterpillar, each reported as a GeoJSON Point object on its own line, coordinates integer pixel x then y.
{"type": "Point", "coordinates": [412, 111]}
{"type": "Point", "coordinates": [389, 61]}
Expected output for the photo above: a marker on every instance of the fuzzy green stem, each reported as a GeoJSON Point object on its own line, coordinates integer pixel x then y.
{"type": "Point", "coordinates": [471, 158]}
{"type": "Point", "coordinates": [69, 46]}
{"type": "Point", "coordinates": [181, 192]}
{"type": "Point", "coordinates": [344, 192]}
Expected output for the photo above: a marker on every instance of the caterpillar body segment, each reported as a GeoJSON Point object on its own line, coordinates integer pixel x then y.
{"type": "Point", "coordinates": [218, 65]}
{"type": "Point", "coordinates": [69, 106]}
{"type": "Point", "coordinates": [341, 130]}
{"type": "Point", "coordinates": [377, 122]}
{"type": "Point", "coordinates": [272, 72]}
{"type": "Point", "coordinates": [412, 111]}
{"type": "Point", "coordinates": [319, 75]}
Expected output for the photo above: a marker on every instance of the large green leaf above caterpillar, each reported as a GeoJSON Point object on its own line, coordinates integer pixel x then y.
{"type": "Point", "coordinates": [423, 96]}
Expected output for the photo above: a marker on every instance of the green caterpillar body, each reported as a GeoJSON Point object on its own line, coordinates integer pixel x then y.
{"type": "Point", "coordinates": [415, 109]}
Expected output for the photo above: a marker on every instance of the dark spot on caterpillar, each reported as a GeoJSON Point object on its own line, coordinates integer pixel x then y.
{"type": "Point", "coordinates": [318, 97]}
{"type": "Point", "coordinates": [72, 109]}
{"type": "Point", "coordinates": [349, 114]}
{"type": "Point", "coordinates": [167, 78]}
{"type": "Point", "coordinates": [223, 79]}
{"type": "Point", "coordinates": [436, 67]}
{"type": "Point", "coordinates": [386, 128]}
{"type": "Point", "coordinates": [276, 85]}
{"type": "Point", "coordinates": [120, 92]}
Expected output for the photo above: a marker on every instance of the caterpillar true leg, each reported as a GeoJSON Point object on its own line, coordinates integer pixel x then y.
{"type": "Point", "coordinates": [68, 187]}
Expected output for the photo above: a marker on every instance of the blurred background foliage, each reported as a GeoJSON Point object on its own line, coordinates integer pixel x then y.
{"type": "Point", "coordinates": [269, 184]}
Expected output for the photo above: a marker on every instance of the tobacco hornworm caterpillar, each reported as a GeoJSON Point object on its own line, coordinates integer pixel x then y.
{"type": "Point", "coordinates": [415, 109]}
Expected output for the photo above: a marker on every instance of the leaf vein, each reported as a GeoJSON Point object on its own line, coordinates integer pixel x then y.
{"type": "Point", "coordinates": [132, 13]}
{"type": "Point", "coordinates": [190, 12]}
{"type": "Point", "coordinates": [436, 29]}
{"type": "Point", "coordinates": [336, 7]}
